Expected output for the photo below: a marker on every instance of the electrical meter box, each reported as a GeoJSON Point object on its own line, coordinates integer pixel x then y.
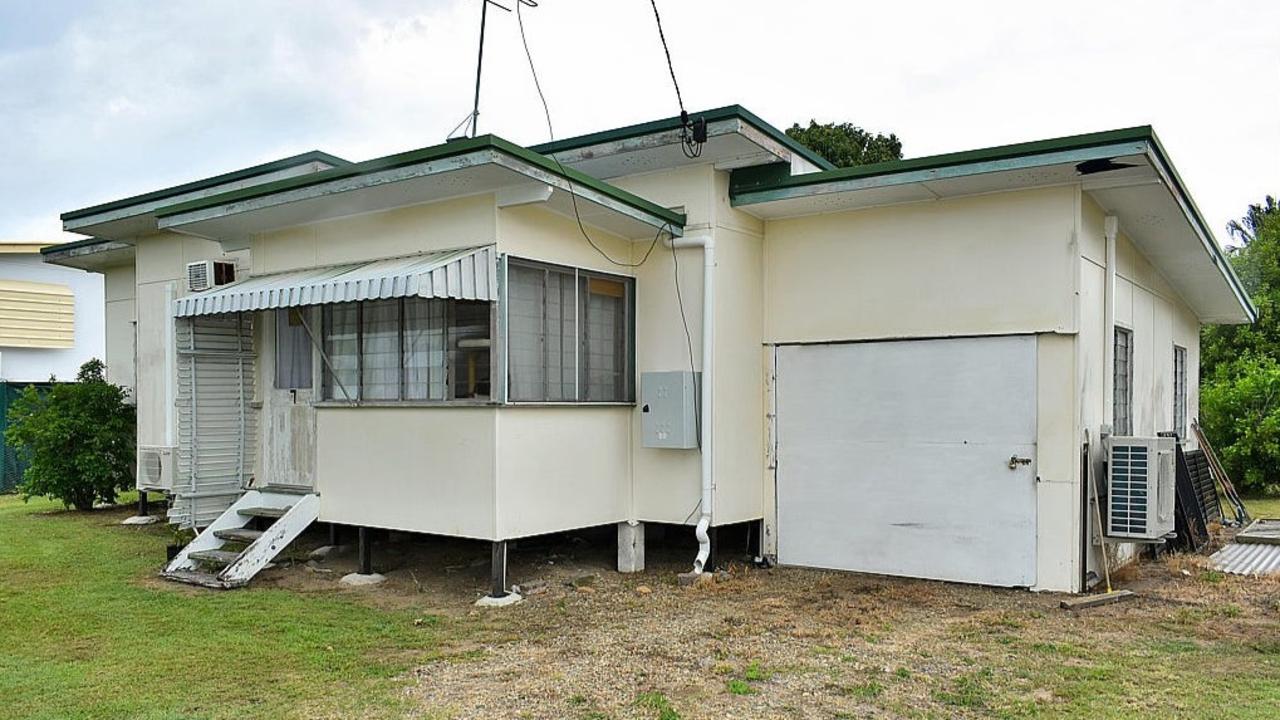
{"type": "Point", "coordinates": [669, 408]}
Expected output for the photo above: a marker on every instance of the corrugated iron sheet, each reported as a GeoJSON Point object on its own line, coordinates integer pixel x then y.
{"type": "Point", "coordinates": [1247, 559]}
{"type": "Point", "coordinates": [466, 274]}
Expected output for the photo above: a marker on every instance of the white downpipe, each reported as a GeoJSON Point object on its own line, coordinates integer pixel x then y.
{"type": "Point", "coordinates": [708, 244]}
{"type": "Point", "coordinates": [1111, 227]}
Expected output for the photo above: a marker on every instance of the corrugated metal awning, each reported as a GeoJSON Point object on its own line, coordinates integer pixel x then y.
{"type": "Point", "coordinates": [466, 274]}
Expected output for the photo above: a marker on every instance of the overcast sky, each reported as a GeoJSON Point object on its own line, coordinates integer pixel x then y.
{"type": "Point", "coordinates": [100, 99]}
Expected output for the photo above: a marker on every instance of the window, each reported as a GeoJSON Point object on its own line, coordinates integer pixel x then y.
{"type": "Point", "coordinates": [407, 349]}
{"type": "Point", "coordinates": [1122, 403]}
{"type": "Point", "coordinates": [569, 335]}
{"type": "Point", "coordinates": [1180, 391]}
{"type": "Point", "coordinates": [293, 351]}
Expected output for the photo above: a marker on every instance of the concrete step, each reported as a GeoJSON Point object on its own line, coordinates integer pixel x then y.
{"type": "Point", "coordinates": [191, 577]}
{"type": "Point", "coordinates": [215, 557]}
{"type": "Point", "coordinates": [240, 535]}
{"type": "Point", "coordinates": [264, 512]}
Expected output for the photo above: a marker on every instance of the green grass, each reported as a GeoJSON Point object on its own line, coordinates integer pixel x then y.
{"type": "Point", "coordinates": [84, 634]}
{"type": "Point", "coordinates": [658, 702]}
{"type": "Point", "coordinates": [1261, 507]}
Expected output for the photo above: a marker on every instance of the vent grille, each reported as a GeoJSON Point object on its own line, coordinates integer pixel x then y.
{"type": "Point", "coordinates": [1129, 502]}
{"type": "Point", "coordinates": [198, 276]}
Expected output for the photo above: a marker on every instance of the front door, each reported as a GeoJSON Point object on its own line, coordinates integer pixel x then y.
{"type": "Point", "coordinates": [289, 430]}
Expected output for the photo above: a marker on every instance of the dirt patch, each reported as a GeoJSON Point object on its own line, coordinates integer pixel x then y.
{"type": "Point", "coordinates": [770, 643]}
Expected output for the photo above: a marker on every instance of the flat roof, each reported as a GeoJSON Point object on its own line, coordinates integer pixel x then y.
{"type": "Point", "coordinates": [424, 155]}
{"type": "Point", "coordinates": [673, 123]}
{"type": "Point", "coordinates": [206, 183]}
{"type": "Point", "coordinates": [772, 195]}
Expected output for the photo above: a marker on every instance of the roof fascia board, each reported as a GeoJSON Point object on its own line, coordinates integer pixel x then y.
{"type": "Point", "coordinates": [786, 190]}
{"type": "Point", "coordinates": [415, 163]}
{"type": "Point", "coordinates": [158, 196]}
{"type": "Point", "coordinates": [559, 148]}
{"type": "Point", "coordinates": [1169, 176]}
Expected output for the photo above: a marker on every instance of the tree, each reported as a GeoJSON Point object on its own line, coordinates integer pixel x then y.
{"type": "Point", "coordinates": [77, 438]}
{"type": "Point", "coordinates": [1240, 364]}
{"type": "Point", "coordinates": [845, 145]}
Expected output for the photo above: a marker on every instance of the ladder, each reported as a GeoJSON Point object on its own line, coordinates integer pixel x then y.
{"type": "Point", "coordinates": [229, 552]}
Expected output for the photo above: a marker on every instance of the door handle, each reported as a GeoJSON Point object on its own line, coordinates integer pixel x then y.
{"type": "Point", "coordinates": [1015, 461]}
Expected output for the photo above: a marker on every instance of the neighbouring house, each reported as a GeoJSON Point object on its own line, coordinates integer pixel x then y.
{"type": "Point", "coordinates": [50, 325]}
{"type": "Point", "coordinates": [50, 317]}
{"type": "Point", "coordinates": [893, 368]}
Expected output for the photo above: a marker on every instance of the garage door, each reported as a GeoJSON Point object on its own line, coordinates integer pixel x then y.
{"type": "Point", "coordinates": [895, 458]}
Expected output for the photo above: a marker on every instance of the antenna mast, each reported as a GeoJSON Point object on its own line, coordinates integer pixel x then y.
{"type": "Point", "coordinates": [472, 121]}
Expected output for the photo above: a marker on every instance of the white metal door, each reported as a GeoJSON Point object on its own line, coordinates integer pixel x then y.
{"type": "Point", "coordinates": [895, 458]}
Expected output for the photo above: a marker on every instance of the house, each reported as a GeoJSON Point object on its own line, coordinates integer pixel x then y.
{"type": "Point", "coordinates": [50, 325]}
{"type": "Point", "coordinates": [894, 368]}
{"type": "Point", "coordinates": [50, 317]}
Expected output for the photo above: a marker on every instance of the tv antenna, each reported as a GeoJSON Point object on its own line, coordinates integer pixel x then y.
{"type": "Point", "coordinates": [471, 121]}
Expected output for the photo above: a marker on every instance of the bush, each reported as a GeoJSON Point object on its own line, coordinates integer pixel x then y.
{"type": "Point", "coordinates": [1240, 412]}
{"type": "Point", "coordinates": [77, 439]}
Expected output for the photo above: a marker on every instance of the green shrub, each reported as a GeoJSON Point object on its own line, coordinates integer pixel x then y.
{"type": "Point", "coordinates": [77, 439]}
{"type": "Point", "coordinates": [1240, 411]}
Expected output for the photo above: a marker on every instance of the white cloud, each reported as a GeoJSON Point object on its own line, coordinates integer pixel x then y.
{"type": "Point", "coordinates": [126, 96]}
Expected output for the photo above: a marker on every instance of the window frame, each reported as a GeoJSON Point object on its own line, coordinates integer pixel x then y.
{"type": "Point", "coordinates": [1181, 391]}
{"type": "Point", "coordinates": [1126, 428]}
{"type": "Point", "coordinates": [630, 295]}
{"type": "Point", "coordinates": [326, 385]}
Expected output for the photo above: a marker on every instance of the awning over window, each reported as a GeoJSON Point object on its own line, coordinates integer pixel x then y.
{"type": "Point", "coordinates": [466, 274]}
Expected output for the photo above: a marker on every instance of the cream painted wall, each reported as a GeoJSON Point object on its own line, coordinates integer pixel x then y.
{"type": "Point", "coordinates": [429, 470]}
{"type": "Point", "coordinates": [999, 263]}
{"type": "Point", "coordinates": [120, 285]}
{"type": "Point", "coordinates": [1146, 304]}
{"type": "Point", "coordinates": [463, 222]}
{"type": "Point", "coordinates": [562, 467]}
{"type": "Point", "coordinates": [160, 263]}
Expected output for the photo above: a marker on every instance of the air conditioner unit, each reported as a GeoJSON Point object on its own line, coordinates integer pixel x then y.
{"type": "Point", "coordinates": [207, 274]}
{"type": "Point", "coordinates": [155, 467]}
{"type": "Point", "coordinates": [1140, 487]}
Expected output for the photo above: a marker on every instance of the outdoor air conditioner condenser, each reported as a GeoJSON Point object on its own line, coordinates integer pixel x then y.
{"type": "Point", "coordinates": [1140, 487]}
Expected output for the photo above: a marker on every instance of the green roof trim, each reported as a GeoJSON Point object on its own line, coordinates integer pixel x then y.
{"type": "Point", "coordinates": [73, 245]}
{"type": "Point", "coordinates": [933, 162]}
{"type": "Point", "coordinates": [206, 183]}
{"type": "Point", "coordinates": [428, 154]}
{"type": "Point", "coordinates": [672, 123]}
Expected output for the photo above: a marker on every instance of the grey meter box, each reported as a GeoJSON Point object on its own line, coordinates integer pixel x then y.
{"type": "Point", "coordinates": [669, 407]}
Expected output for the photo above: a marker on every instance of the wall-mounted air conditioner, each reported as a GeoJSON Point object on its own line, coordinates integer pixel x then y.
{"type": "Point", "coordinates": [1140, 487]}
{"type": "Point", "coordinates": [155, 467]}
{"type": "Point", "coordinates": [207, 274]}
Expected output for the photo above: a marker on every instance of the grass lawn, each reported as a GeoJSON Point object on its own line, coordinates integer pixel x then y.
{"type": "Point", "coordinates": [1261, 507]}
{"type": "Point", "coordinates": [86, 632]}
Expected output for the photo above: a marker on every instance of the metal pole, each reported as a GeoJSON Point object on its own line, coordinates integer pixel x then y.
{"type": "Point", "coordinates": [498, 570]}
{"type": "Point", "coordinates": [144, 508]}
{"type": "Point", "coordinates": [334, 534]}
{"type": "Point", "coordinates": [366, 552]}
{"type": "Point", "coordinates": [475, 109]}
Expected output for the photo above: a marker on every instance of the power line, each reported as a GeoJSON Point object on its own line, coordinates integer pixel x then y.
{"type": "Point", "coordinates": [573, 195]}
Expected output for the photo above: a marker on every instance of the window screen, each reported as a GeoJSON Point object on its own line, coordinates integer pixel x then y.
{"type": "Point", "coordinates": [569, 335]}
{"type": "Point", "coordinates": [1180, 391]}
{"type": "Point", "coordinates": [1122, 404]}
{"type": "Point", "coordinates": [425, 377]}
{"type": "Point", "coordinates": [293, 351]}
{"type": "Point", "coordinates": [407, 349]}
{"type": "Point", "coordinates": [380, 350]}
{"type": "Point", "coordinates": [342, 350]}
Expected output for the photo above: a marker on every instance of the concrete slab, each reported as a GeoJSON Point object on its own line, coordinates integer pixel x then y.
{"type": "Point", "coordinates": [141, 520]}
